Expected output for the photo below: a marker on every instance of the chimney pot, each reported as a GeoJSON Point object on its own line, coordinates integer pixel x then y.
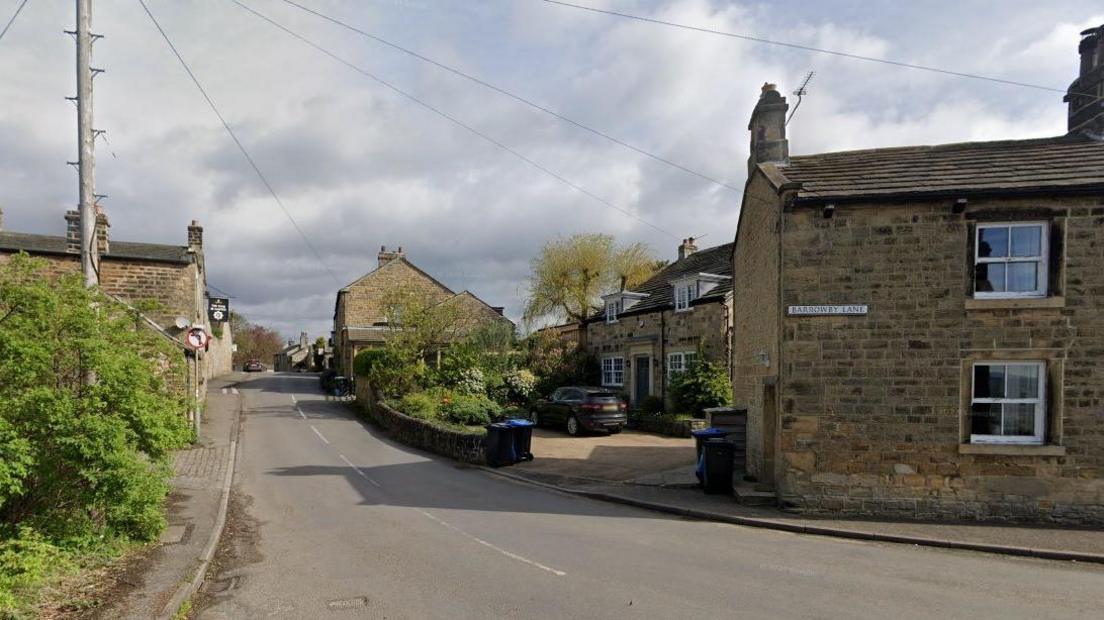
{"type": "Point", "coordinates": [386, 257]}
{"type": "Point", "coordinates": [686, 248]}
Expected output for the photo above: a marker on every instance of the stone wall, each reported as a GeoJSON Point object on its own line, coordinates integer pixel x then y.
{"type": "Point", "coordinates": [874, 408]}
{"type": "Point", "coordinates": [464, 447]}
{"type": "Point", "coordinates": [756, 324]}
{"type": "Point", "coordinates": [668, 425]}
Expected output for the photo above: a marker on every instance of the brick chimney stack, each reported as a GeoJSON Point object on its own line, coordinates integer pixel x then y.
{"type": "Point", "coordinates": [686, 248]}
{"type": "Point", "coordinates": [768, 128]}
{"type": "Point", "coordinates": [195, 237]}
{"type": "Point", "coordinates": [72, 232]}
{"type": "Point", "coordinates": [1086, 105]}
{"type": "Point", "coordinates": [103, 245]}
{"type": "Point", "coordinates": [386, 257]}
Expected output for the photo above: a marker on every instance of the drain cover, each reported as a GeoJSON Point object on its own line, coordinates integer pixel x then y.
{"type": "Point", "coordinates": [348, 603]}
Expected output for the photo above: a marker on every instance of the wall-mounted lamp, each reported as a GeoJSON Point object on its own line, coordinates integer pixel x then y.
{"type": "Point", "coordinates": [829, 210]}
{"type": "Point", "coordinates": [959, 206]}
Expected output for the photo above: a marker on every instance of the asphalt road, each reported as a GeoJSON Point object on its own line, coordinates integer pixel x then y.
{"type": "Point", "coordinates": [331, 519]}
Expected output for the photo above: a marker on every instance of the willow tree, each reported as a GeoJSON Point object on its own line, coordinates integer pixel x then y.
{"type": "Point", "coordinates": [570, 275]}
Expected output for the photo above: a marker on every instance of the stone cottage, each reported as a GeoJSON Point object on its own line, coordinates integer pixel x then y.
{"type": "Point", "coordinates": [919, 331]}
{"type": "Point", "coordinates": [360, 311]}
{"type": "Point", "coordinates": [296, 355]}
{"type": "Point", "coordinates": [643, 336]}
{"type": "Point", "coordinates": [174, 276]}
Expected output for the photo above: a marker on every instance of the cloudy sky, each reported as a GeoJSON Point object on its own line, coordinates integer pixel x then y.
{"type": "Point", "coordinates": [358, 166]}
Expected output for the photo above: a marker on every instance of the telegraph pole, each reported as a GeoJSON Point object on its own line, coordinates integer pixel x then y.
{"type": "Point", "coordinates": [86, 138]}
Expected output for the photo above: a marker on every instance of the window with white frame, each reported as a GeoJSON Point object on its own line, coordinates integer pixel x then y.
{"type": "Point", "coordinates": [1010, 260]}
{"type": "Point", "coordinates": [679, 362]}
{"type": "Point", "coordinates": [685, 292]}
{"type": "Point", "coordinates": [613, 308]}
{"type": "Point", "coordinates": [613, 371]}
{"type": "Point", "coordinates": [1008, 402]}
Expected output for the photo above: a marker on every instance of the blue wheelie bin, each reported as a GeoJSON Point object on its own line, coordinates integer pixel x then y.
{"type": "Point", "coordinates": [522, 431]}
{"type": "Point", "coordinates": [700, 437]}
{"type": "Point", "coordinates": [500, 444]}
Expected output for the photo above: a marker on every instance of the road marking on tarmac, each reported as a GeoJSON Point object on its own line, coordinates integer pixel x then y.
{"type": "Point", "coordinates": [357, 470]}
{"type": "Point", "coordinates": [233, 390]}
{"type": "Point", "coordinates": [512, 556]}
{"type": "Point", "coordinates": [224, 390]}
{"type": "Point", "coordinates": [301, 414]}
{"type": "Point", "coordinates": [293, 401]}
{"type": "Point", "coordinates": [320, 435]}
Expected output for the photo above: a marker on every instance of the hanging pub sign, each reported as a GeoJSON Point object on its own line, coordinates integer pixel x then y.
{"type": "Point", "coordinates": [218, 309]}
{"type": "Point", "coordinates": [844, 309]}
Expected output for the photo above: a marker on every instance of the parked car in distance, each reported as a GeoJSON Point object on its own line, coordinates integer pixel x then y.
{"type": "Point", "coordinates": [253, 366]}
{"type": "Point", "coordinates": [578, 408]}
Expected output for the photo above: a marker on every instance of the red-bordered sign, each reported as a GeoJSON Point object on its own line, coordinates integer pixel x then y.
{"type": "Point", "coordinates": [197, 338]}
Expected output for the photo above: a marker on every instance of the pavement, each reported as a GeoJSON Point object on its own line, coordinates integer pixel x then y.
{"type": "Point", "coordinates": [157, 583]}
{"type": "Point", "coordinates": [331, 518]}
{"type": "Point", "coordinates": [652, 471]}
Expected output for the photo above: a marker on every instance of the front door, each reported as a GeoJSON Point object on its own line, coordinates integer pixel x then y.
{"type": "Point", "coordinates": [642, 383]}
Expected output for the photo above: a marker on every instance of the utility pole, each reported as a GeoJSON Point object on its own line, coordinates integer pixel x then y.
{"type": "Point", "coordinates": [86, 138]}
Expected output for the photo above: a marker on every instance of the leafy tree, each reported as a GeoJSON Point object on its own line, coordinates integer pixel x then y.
{"type": "Point", "coordinates": [420, 326]}
{"type": "Point", "coordinates": [254, 341]}
{"type": "Point", "coordinates": [557, 362]}
{"type": "Point", "coordinates": [570, 275]}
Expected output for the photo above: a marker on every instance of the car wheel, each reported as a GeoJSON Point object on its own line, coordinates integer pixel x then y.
{"type": "Point", "coordinates": [534, 417]}
{"type": "Point", "coordinates": [573, 426]}
{"type": "Point", "coordinates": [614, 431]}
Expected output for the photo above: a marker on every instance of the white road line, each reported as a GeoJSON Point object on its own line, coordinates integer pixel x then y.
{"type": "Point", "coordinates": [320, 435]}
{"type": "Point", "coordinates": [357, 470]}
{"type": "Point", "coordinates": [512, 556]}
{"type": "Point", "coordinates": [301, 414]}
{"type": "Point", "coordinates": [224, 390]}
{"type": "Point", "coordinates": [293, 401]}
{"type": "Point", "coordinates": [233, 390]}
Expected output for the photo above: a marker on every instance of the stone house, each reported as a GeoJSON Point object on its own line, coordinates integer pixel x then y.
{"type": "Point", "coordinates": [296, 355]}
{"type": "Point", "coordinates": [643, 336]}
{"type": "Point", "coordinates": [174, 276]}
{"type": "Point", "coordinates": [360, 309]}
{"type": "Point", "coordinates": [919, 331]}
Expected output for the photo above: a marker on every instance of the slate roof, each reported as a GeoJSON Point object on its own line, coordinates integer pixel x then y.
{"type": "Point", "coordinates": [659, 288]}
{"type": "Point", "coordinates": [123, 250]}
{"type": "Point", "coordinates": [1051, 165]}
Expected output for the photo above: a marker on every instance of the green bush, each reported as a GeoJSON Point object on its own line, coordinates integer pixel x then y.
{"type": "Point", "coordinates": [704, 384]}
{"type": "Point", "coordinates": [419, 405]}
{"type": "Point", "coordinates": [469, 410]}
{"type": "Point", "coordinates": [389, 372]}
{"type": "Point", "coordinates": [82, 464]}
{"type": "Point", "coordinates": [520, 385]}
{"type": "Point", "coordinates": [471, 381]}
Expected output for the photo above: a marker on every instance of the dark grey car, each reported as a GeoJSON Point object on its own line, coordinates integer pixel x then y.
{"type": "Point", "coordinates": [576, 408]}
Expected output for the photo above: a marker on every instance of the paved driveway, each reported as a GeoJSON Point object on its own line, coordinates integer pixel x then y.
{"type": "Point", "coordinates": [627, 456]}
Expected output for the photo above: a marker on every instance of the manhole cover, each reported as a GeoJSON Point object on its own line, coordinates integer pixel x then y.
{"type": "Point", "coordinates": [348, 603]}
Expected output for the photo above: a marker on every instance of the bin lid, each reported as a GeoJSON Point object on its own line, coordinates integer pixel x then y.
{"type": "Point", "coordinates": [710, 432]}
{"type": "Point", "coordinates": [497, 425]}
{"type": "Point", "coordinates": [518, 422]}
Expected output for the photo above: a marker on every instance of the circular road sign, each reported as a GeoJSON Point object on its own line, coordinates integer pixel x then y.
{"type": "Point", "coordinates": [197, 338]}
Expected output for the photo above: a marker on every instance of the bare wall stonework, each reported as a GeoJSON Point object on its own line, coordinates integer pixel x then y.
{"type": "Point", "coordinates": [874, 408]}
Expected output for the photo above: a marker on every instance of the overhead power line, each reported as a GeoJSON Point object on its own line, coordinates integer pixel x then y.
{"type": "Point", "coordinates": [514, 96]}
{"type": "Point", "coordinates": [809, 48]}
{"type": "Point", "coordinates": [11, 21]}
{"type": "Point", "coordinates": [454, 120]}
{"type": "Point", "coordinates": [241, 147]}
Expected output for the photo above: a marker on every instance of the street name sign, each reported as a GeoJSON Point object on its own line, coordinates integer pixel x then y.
{"type": "Point", "coordinates": [843, 309]}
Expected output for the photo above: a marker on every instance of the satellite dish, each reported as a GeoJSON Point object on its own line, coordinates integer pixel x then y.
{"type": "Point", "coordinates": [182, 323]}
